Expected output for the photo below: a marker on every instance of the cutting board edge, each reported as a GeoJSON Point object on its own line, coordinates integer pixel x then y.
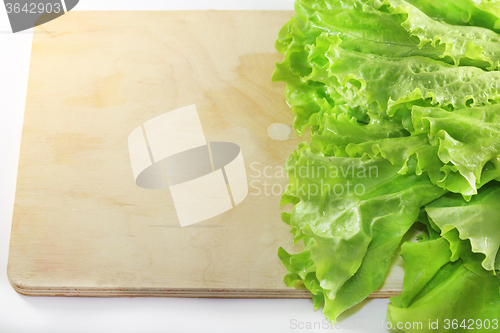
{"type": "Point", "coordinates": [182, 293]}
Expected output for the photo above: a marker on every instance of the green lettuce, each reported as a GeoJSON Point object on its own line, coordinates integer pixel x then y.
{"type": "Point", "coordinates": [408, 89]}
{"type": "Point", "coordinates": [477, 220]}
{"type": "Point", "coordinates": [464, 45]}
{"type": "Point", "coordinates": [446, 283]}
{"type": "Point", "coordinates": [455, 298]}
{"type": "Point", "coordinates": [484, 14]}
{"type": "Point", "coordinates": [345, 208]}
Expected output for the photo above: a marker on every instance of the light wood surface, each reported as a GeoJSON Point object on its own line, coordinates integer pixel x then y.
{"type": "Point", "coordinates": [81, 225]}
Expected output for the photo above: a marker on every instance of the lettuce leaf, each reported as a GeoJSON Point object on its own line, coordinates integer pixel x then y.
{"type": "Point", "coordinates": [455, 294]}
{"type": "Point", "coordinates": [465, 45]}
{"type": "Point", "coordinates": [467, 138]}
{"type": "Point", "coordinates": [444, 292]}
{"type": "Point", "coordinates": [343, 209]}
{"type": "Point", "coordinates": [362, 28]}
{"type": "Point", "coordinates": [419, 270]}
{"type": "Point", "coordinates": [390, 83]}
{"type": "Point", "coordinates": [458, 150]}
{"type": "Point", "coordinates": [484, 14]}
{"type": "Point", "coordinates": [477, 220]}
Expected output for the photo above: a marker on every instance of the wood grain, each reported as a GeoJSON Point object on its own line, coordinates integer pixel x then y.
{"type": "Point", "coordinates": [81, 226]}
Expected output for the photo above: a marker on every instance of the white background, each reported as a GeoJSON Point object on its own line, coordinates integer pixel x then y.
{"type": "Point", "coordinates": [59, 314]}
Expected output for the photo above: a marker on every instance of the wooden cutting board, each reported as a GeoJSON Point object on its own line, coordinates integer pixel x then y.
{"type": "Point", "coordinates": [81, 225]}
